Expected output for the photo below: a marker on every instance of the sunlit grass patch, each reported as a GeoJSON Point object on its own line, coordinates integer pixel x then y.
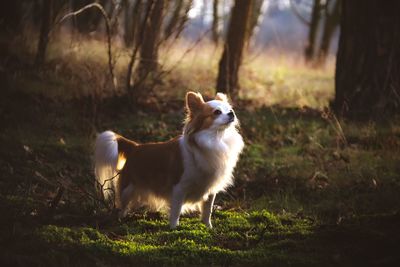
{"type": "Point", "coordinates": [238, 238]}
{"type": "Point", "coordinates": [279, 78]}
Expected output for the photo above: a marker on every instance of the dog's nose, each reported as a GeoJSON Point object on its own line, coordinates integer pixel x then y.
{"type": "Point", "coordinates": [231, 114]}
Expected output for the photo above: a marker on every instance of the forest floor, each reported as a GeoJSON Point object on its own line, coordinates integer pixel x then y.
{"type": "Point", "coordinates": [309, 191]}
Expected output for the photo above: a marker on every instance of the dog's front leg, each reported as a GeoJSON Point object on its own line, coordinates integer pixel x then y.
{"type": "Point", "coordinates": [178, 197]}
{"type": "Point", "coordinates": [206, 210]}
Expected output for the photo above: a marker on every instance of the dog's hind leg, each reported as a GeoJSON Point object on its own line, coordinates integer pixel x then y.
{"type": "Point", "coordinates": [125, 199]}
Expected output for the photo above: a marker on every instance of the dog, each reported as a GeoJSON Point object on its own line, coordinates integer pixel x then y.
{"type": "Point", "coordinates": [184, 172]}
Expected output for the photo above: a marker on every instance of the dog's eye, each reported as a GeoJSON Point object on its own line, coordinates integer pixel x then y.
{"type": "Point", "coordinates": [217, 112]}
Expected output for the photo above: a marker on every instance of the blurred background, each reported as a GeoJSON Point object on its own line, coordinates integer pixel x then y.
{"type": "Point", "coordinates": [315, 85]}
{"type": "Point", "coordinates": [280, 39]}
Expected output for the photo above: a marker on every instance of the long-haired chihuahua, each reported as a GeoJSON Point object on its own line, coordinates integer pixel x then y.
{"type": "Point", "coordinates": [184, 172]}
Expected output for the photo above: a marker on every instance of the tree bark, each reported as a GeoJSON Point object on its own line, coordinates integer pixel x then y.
{"type": "Point", "coordinates": [228, 79]}
{"type": "Point", "coordinates": [44, 31]}
{"type": "Point", "coordinates": [312, 34]}
{"type": "Point", "coordinates": [368, 61]}
{"type": "Point", "coordinates": [149, 48]}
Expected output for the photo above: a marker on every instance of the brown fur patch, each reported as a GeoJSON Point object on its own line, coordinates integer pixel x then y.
{"type": "Point", "coordinates": [155, 167]}
{"type": "Point", "coordinates": [198, 120]}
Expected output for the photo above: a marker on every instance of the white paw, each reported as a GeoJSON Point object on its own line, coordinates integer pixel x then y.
{"type": "Point", "coordinates": [173, 225]}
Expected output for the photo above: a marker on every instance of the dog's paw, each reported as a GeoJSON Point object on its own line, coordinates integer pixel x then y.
{"type": "Point", "coordinates": [173, 225]}
{"type": "Point", "coordinates": [208, 223]}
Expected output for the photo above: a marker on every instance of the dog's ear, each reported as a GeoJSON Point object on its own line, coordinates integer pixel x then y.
{"type": "Point", "coordinates": [222, 97]}
{"type": "Point", "coordinates": [194, 101]}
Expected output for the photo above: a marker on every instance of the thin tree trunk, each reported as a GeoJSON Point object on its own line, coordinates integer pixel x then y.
{"type": "Point", "coordinates": [44, 32]}
{"type": "Point", "coordinates": [149, 49]}
{"type": "Point", "coordinates": [128, 30]}
{"type": "Point", "coordinates": [137, 22]}
{"type": "Point", "coordinates": [184, 19]}
{"type": "Point", "coordinates": [215, 21]}
{"type": "Point", "coordinates": [368, 61]}
{"type": "Point", "coordinates": [174, 20]}
{"type": "Point", "coordinates": [228, 79]}
{"type": "Point", "coordinates": [139, 31]}
{"type": "Point", "coordinates": [148, 63]}
{"type": "Point", "coordinates": [312, 34]}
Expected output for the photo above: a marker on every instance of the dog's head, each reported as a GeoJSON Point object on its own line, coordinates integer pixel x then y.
{"type": "Point", "coordinates": [215, 115]}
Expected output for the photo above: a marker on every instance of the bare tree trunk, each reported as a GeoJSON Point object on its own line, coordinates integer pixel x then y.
{"type": "Point", "coordinates": [214, 29]}
{"type": "Point", "coordinates": [184, 18]}
{"type": "Point", "coordinates": [149, 49]}
{"type": "Point", "coordinates": [133, 24]}
{"type": "Point", "coordinates": [228, 80]}
{"type": "Point", "coordinates": [47, 11]}
{"type": "Point", "coordinates": [174, 20]}
{"type": "Point", "coordinates": [128, 30]}
{"type": "Point", "coordinates": [331, 23]}
{"type": "Point", "coordinates": [148, 63]}
{"type": "Point", "coordinates": [139, 30]}
{"type": "Point", "coordinates": [312, 34]}
{"type": "Point", "coordinates": [368, 60]}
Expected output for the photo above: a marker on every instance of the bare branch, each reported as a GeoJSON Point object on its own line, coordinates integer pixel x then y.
{"type": "Point", "coordinates": [179, 61]}
{"type": "Point", "coordinates": [108, 29]}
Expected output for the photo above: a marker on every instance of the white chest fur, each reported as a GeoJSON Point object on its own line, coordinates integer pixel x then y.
{"type": "Point", "coordinates": [208, 168]}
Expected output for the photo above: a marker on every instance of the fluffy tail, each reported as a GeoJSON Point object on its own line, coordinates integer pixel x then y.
{"type": "Point", "coordinates": [105, 162]}
{"type": "Point", "coordinates": [109, 158]}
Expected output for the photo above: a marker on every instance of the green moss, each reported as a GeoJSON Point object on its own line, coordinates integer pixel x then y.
{"type": "Point", "coordinates": [238, 238]}
{"type": "Point", "coordinates": [264, 217]}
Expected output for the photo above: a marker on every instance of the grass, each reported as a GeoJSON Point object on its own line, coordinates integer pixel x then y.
{"type": "Point", "coordinates": [256, 238]}
{"type": "Point", "coordinates": [307, 192]}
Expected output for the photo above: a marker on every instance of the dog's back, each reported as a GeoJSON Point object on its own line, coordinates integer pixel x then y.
{"type": "Point", "coordinates": [152, 167]}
